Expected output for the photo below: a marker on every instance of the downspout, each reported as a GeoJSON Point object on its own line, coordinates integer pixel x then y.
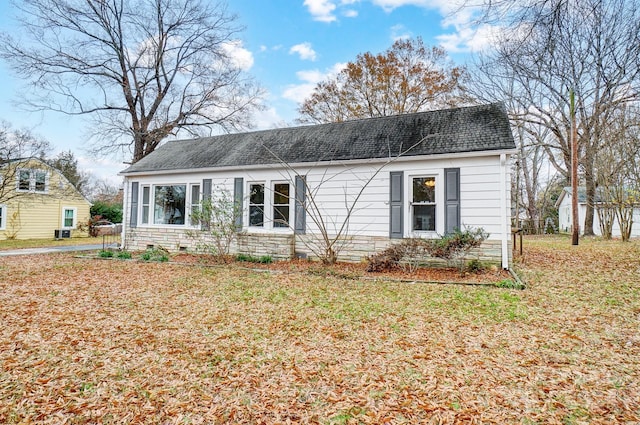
{"type": "Point", "coordinates": [503, 211]}
{"type": "Point", "coordinates": [125, 216]}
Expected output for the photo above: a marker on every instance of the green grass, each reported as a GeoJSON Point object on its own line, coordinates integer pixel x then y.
{"type": "Point", "coordinates": [232, 345]}
{"type": "Point", "coordinates": [8, 244]}
{"type": "Point", "coordinates": [44, 243]}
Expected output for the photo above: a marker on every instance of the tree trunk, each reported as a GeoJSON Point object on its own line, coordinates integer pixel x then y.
{"type": "Point", "coordinates": [138, 147]}
{"type": "Point", "coordinates": [591, 197]}
{"type": "Point", "coordinates": [607, 215]}
{"type": "Point", "coordinates": [625, 219]}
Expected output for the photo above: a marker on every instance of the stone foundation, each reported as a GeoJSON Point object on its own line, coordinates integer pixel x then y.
{"type": "Point", "coordinates": [358, 248]}
{"type": "Point", "coordinates": [173, 240]}
{"type": "Point", "coordinates": [279, 246]}
{"type": "Point", "coordinates": [283, 246]}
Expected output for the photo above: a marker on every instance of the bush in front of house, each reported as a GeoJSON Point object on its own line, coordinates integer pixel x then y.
{"type": "Point", "coordinates": [217, 219]}
{"type": "Point", "coordinates": [155, 254]}
{"type": "Point", "coordinates": [264, 259]}
{"type": "Point", "coordinates": [105, 254]}
{"type": "Point", "coordinates": [454, 246]}
{"type": "Point", "coordinates": [411, 252]}
{"type": "Point", "coordinates": [123, 255]}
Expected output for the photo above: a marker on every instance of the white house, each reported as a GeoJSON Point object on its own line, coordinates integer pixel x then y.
{"type": "Point", "coordinates": [565, 222]}
{"type": "Point", "coordinates": [413, 175]}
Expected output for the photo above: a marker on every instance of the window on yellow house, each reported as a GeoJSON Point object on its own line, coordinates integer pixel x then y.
{"type": "Point", "coordinates": [69, 218]}
{"type": "Point", "coordinates": [32, 180]}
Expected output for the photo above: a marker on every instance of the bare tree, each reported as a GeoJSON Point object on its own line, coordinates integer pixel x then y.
{"type": "Point", "coordinates": [408, 77]}
{"type": "Point", "coordinates": [332, 233]}
{"type": "Point", "coordinates": [590, 46]}
{"type": "Point", "coordinates": [142, 70]}
{"type": "Point", "coordinates": [17, 148]}
{"type": "Point", "coordinates": [103, 190]}
{"type": "Point", "coordinates": [531, 158]}
{"type": "Point", "coordinates": [617, 178]}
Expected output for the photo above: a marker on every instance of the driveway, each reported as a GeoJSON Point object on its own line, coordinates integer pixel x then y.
{"type": "Point", "coordinates": [53, 249]}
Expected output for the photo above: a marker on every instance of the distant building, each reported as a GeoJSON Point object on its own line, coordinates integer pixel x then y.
{"type": "Point", "coordinates": [565, 218]}
{"type": "Point", "coordinates": [40, 203]}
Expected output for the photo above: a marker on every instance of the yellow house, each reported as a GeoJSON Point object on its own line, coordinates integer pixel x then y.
{"type": "Point", "coordinates": [38, 202]}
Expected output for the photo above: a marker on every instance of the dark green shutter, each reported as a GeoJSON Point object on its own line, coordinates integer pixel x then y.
{"type": "Point", "coordinates": [206, 196]}
{"type": "Point", "coordinates": [452, 199]}
{"type": "Point", "coordinates": [396, 207]}
{"type": "Point", "coordinates": [206, 189]}
{"type": "Point", "coordinates": [300, 212]}
{"type": "Point", "coordinates": [133, 218]}
{"type": "Point", "coordinates": [238, 185]}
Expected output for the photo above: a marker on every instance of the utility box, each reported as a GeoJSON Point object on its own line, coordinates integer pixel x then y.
{"type": "Point", "coordinates": [62, 233]}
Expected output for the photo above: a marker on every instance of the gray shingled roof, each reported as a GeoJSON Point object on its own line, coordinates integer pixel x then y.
{"type": "Point", "coordinates": [468, 129]}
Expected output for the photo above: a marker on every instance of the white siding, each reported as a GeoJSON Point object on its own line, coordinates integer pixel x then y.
{"type": "Point", "coordinates": [335, 187]}
{"type": "Point", "coordinates": [565, 219]}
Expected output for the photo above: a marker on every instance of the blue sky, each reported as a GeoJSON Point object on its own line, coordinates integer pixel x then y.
{"type": "Point", "coordinates": [288, 46]}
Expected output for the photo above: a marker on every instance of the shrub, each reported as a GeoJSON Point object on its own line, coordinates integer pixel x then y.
{"type": "Point", "coordinates": [155, 254]}
{"type": "Point", "coordinates": [385, 260]}
{"type": "Point", "coordinates": [107, 211]}
{"type": "Point", "coordinates": [217, 219]}
{"type": "Point", "coordinates": [105, 254]}
{"type": "Point", "coordinates": [123, 255]}
{"type": "Point", "coordinates": [456, 245]}
{"type": "Point", "coordinates": [411, 252]}
{"type": "Point", "coordinates": [476, 266]}
{"type": "Point", "coordinates": [265, 259]}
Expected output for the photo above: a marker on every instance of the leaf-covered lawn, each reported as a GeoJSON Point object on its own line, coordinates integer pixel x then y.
{"type": "Point", "coordinates": [86, 341]}
{"type": "Point", "coordinates": [7, 244]}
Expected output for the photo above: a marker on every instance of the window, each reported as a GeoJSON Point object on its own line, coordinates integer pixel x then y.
{"type": "Point", "coordinates": [32, 180]}
{"type": "Point", "coordinates": [69, 218]}
{"type": "Point", "coordinates": [3, 216]}
{"type": "Point", "coordinates": [24, 179]}
{"type": "Point", "coordinates": [195, 201]}
{"type": "Point", "coordinates": [169, 204]}
{"type": "Point", "coordinates": [145, 204]}
{"type": "Point", "coordinates": [40, 181]}
{"type": "Point", "coordinates": [281, 205]}
{"type": "Point", "coordinates": [256, 204]}
{"type": "Point", "coordinates": [423, 205]}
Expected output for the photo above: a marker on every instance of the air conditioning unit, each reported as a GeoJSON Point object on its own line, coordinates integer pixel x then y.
{"type": "Point", "coordinates": [62, 234]}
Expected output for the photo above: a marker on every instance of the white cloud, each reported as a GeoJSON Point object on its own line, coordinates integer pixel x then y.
{"type": "Point", "coordinates": [350, 13]}
{"type": "Point", "coordinates": [304, 50]}
{"type": "Point", "coordinates": [389, 5]}
{"type": "Point", "coordinates": [268, 118]}
{"type": "Point", "coordinates": [470, 39]}
{"type": "Point", "coordinates": [466, 35]}
{"type": "Point", "coordinates": [321, 10]}
{"type": "Point", "coordinates": [400, 32]}
{"type": "Point", "coordinates": [310, 78]}
{"type": "Point", "coordinates": [240, 56]}
{"type": "Point", "coordinates": [102, 168]}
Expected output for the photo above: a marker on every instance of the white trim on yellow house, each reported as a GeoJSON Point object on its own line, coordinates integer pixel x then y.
{"type": "Point", "coordinates": [3, 216]}
{"type": "Point", "coordinates": [38, 214]}
{"type": "Point", "coordinates": [74, 217]}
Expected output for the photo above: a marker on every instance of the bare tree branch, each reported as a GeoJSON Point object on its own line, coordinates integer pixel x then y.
{"type": "Point", "coordinates": [143, 70]}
